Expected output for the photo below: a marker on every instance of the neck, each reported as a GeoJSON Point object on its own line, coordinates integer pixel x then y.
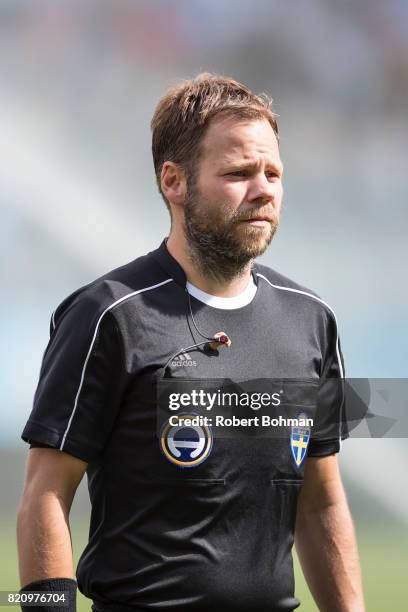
{"type": "Point", "coordinates": [212, 280]}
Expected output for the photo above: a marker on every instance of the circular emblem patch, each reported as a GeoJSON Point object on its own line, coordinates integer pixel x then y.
{"type": "Point", "coordinates": [186, 445]}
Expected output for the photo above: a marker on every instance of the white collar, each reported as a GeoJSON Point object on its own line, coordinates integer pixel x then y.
{"type": "Point", "coordinates": [225, 303]}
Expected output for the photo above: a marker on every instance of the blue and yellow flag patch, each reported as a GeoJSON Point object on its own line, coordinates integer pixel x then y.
{"type": "Point", "coordinates": [299, 440]}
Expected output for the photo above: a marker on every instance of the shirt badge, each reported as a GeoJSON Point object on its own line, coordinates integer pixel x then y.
{"type": "Point", "coordinates": [186, 445]}
{"type": "Point", "coordinates": [299, 440]}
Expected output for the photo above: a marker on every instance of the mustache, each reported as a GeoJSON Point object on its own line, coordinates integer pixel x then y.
{"type": "Point", "coordinates": [268, 216]}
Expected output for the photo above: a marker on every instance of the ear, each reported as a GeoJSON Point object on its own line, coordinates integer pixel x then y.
{"type": "Point", "coordinates": [173, 183]}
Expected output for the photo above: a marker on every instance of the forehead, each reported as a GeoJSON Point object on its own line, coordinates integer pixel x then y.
{"type": "Point", "coordinates": [230, 139]}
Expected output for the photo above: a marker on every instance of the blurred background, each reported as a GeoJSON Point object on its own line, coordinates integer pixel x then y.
{"type": "Point", "coordinates": [79, 80]}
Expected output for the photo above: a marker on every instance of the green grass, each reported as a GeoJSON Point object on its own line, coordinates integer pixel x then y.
{"type": "Point", "coordinates": [383, 555]}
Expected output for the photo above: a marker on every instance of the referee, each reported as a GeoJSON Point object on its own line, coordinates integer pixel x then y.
{"type": "Point", "coordinates": [184, 519]}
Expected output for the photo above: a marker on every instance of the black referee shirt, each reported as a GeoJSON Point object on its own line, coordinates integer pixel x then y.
{"type": "Point", "coordinates": [184, 521]}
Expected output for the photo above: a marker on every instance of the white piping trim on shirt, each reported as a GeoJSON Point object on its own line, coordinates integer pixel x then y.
{"type": "Point", "coordinates": [125, 297]}
{"type": "Point", "coordinates": [337, 329]}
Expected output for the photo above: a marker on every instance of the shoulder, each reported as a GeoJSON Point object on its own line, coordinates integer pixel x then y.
{"type": "Point", "coordinates": [290, 291]}
{"type": "Point", "coordinates": [96, 298]}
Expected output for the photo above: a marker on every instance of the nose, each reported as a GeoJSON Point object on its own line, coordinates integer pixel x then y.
{"type": "Point", "coordinates": [262, 190]}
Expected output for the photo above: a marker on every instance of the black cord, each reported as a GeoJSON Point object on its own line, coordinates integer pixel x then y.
{"type": "Point", "coordinates": [192, 318]}
{"type": "Point", "coordinates": [188, 348]}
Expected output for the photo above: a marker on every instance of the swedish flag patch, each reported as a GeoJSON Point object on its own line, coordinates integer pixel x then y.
{"type": "Point", "coordinates": [299, 440]}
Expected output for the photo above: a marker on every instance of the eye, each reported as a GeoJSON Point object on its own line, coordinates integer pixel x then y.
{"type": "Point", "coordinates": [238, 173]}
{"type": "Point", "coordinates": [273, 175]}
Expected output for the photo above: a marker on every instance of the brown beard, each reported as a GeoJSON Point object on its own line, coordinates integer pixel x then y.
{"type": "Point", "coordinates": [222, 247]}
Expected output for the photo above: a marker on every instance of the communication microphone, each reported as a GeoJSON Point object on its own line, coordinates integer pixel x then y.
{"type": "Point", "coordinates": [219, 340]}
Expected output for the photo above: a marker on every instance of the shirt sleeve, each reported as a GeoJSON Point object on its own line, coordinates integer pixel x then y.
{"type": "Point", "coordinates": [82, 381]}
{"type": "Point", "coordinates": [40, 445]}
{"type": "Point", "coordinates": [330, 426]}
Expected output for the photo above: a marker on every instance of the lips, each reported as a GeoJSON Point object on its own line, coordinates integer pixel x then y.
{"type": "Point", "coordinates": [258, 217]}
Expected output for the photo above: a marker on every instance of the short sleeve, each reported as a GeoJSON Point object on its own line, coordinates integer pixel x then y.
{"type": "Point", "coordinates": [329, 423]}
{"type": "Point", "coordinates": [82, 381]}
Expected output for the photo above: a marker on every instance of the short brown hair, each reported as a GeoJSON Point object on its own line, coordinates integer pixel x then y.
{"type": "Point", "coordinates": [183, 115]}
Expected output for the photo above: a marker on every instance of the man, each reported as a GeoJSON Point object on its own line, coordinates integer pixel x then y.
{"type": "Point", "coordinates": [183, 519]}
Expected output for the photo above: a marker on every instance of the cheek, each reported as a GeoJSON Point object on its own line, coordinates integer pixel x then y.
{"type": "Point", "coordinates": [278, 194]}
{"type": "Point", "coordinates": [234, 193]}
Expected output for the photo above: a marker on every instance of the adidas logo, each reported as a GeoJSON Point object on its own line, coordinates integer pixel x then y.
{"type": "Point", "coordinates": [183, 360]}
